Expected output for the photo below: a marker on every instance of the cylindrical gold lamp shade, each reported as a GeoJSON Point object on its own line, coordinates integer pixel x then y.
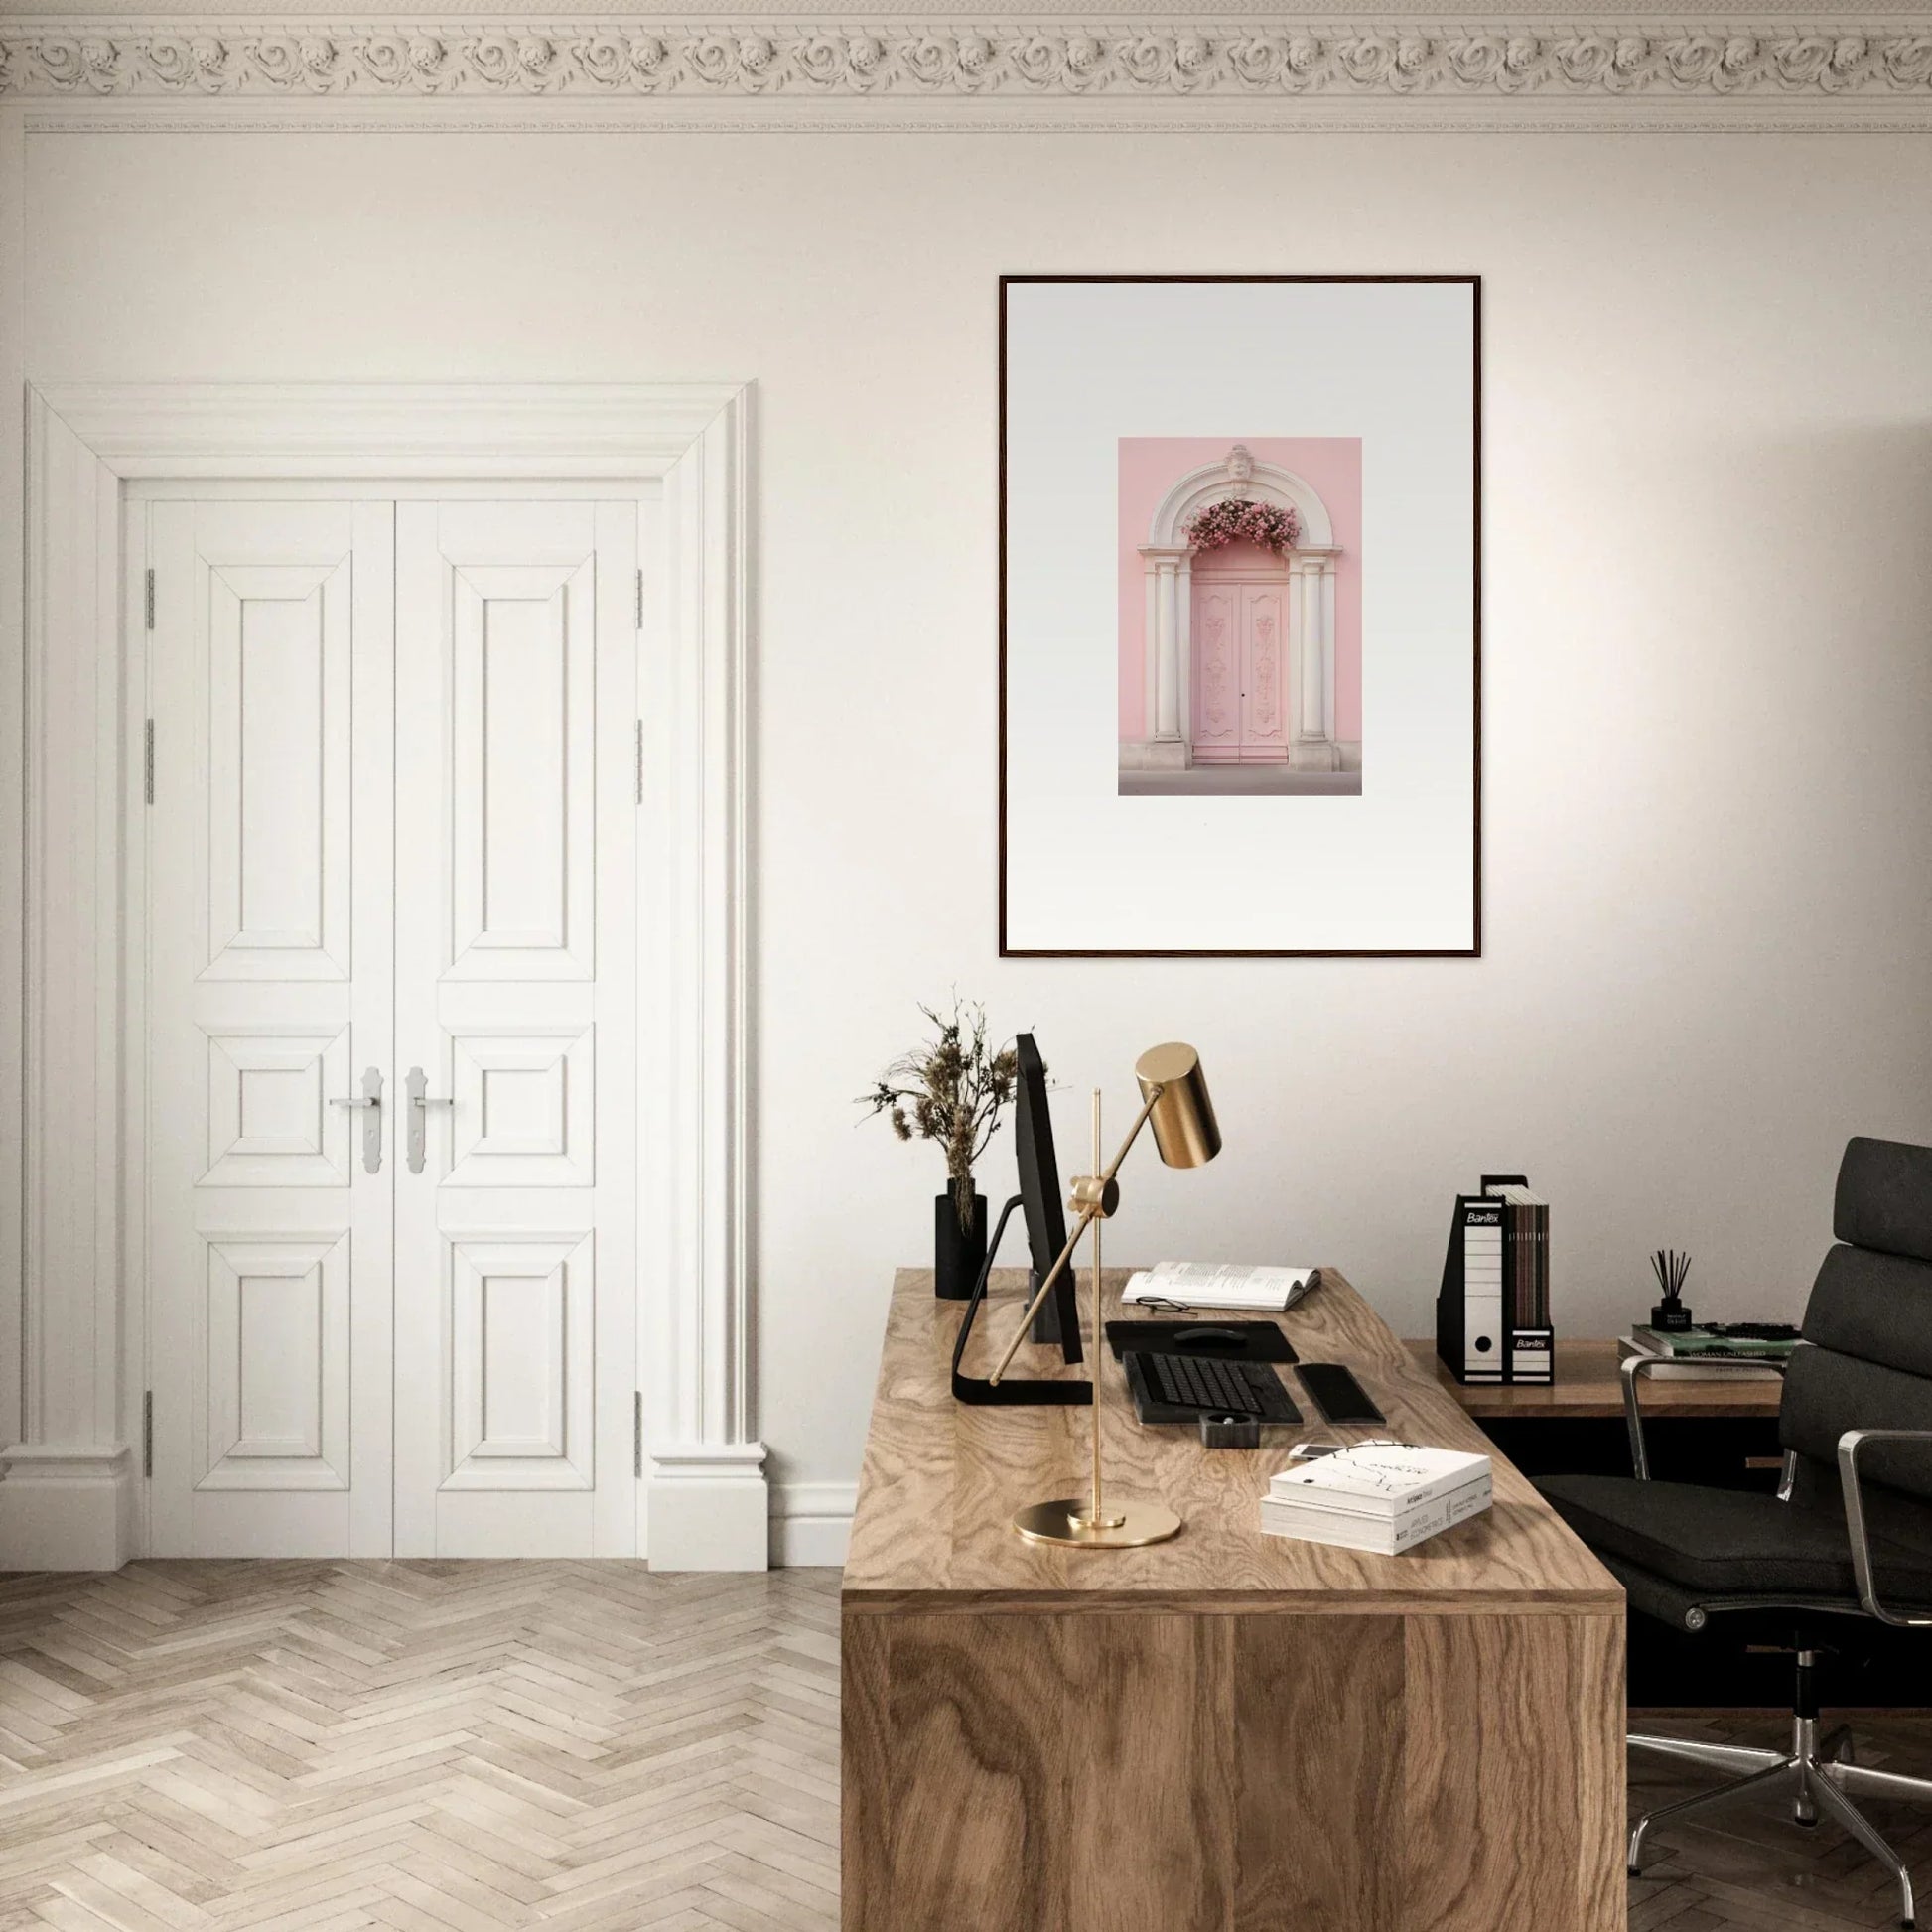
{"type": "Point", "coordinates": [1185, 1128]}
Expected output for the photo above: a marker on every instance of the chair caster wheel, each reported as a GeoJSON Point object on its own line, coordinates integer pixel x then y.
{"type": "Point", "coordinates": [1810, 1824]}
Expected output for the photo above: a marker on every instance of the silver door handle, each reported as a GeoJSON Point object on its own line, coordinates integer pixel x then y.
{"type": "Point", "coordinates": [371, 1098]}
{"type": "Point", "coordinates": [421, 1100]}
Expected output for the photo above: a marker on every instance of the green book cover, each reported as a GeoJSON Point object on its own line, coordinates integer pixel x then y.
{"type": "Point", "coordinates": [1701, 1341]}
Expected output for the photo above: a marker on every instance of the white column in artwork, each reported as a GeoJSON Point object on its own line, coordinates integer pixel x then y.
{"type": "Point", "coordinates": [1312, 652]}
{"type": "Point", "coordinates": [1329, 654]}
{"type": "Point", "coordinates": [1166, 745]}
{"type": "Point", "coordinates": [1312, 604]}
{"type": "Point", "coordinates": [1185, 647]}
{"type": "Point", "coordinates": [1166, 715]}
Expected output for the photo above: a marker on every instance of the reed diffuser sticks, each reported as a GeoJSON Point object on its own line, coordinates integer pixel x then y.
{"type": "Point", "coordinates": [1670, 1265]}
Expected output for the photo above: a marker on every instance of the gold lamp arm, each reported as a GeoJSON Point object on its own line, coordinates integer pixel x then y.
{"type": "Point", "coordinates": [1095, 1199]}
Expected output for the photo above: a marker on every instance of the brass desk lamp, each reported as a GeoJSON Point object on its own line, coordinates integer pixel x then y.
{"type": "Point", "coordinates": [1174, 1101]}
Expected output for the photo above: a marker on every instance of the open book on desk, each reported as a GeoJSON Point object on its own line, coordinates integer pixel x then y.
{"type": "Point", "coordinates": [1219, 1285]}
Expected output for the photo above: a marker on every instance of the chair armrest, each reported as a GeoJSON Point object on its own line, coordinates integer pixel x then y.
{"type": "Point", "coordinates": [1632, 1369]}
{"type": "Point", "coordinates": [1849, 1446]}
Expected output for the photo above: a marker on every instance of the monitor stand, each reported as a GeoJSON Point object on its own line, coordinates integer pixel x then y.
{"type": "Point", "coordinates": [1011, 1390]}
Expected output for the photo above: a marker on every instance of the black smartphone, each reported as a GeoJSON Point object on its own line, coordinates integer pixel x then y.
{"type": "Point", "coordinates": [1336, 1393]}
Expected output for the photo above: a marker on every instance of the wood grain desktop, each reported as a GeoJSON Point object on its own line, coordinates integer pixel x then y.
{"type": "Point", "coordinates": [1228, 1733]}
{"type": "Point", "coordinates": [1588, 1388]}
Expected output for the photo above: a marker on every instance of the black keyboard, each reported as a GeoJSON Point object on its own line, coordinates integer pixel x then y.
{"type": "Point", "coordinates": [1204, 1386]}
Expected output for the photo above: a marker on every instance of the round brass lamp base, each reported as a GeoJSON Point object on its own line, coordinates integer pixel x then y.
{"type": "Point", "coordinates": [1129, 1526]}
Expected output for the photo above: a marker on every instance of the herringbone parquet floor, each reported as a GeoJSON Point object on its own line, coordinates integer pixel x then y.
{"type": "Point", "coordinates": [466, 1747]}
{"type": "Point", "coordinates": [431, 1747]}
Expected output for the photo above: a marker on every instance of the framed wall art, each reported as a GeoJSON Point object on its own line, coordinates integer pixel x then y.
{"type": "Point", "coordinates": [1240, 588]}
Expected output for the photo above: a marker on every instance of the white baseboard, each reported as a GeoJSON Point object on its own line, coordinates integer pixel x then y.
{"type": "Point", "coordinates": [709, 1507]}
{"type": "Point", "coordinates": [66, 1508]}
{"type": "Point", "coordinates": [811, 1523]}
{"type": "Point", "coordinates": [74, 1509]}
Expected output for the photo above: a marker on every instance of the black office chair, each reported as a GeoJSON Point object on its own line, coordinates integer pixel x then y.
{"type": "Point", "coordinates": [1848, 1538]}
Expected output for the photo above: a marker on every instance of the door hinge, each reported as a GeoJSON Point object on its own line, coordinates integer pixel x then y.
{"type": "Point", "coordinates": [641, 600]}
{"type": "Point", "coordinates": [150, 600]}
{"type": "Point", "coordinates": [147, 762]}
{"type": "Point", "coordinates": [640, 760]}
{"type": "Point", "coordinates": [638, 1435]}
{"type": "Point", "coordinates": [147, 1434]}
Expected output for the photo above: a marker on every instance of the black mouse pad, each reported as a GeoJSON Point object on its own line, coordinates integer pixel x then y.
{"type": "Point", "coordinates": [1222, 1341]}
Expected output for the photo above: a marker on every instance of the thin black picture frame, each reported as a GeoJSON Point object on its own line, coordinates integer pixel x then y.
{"type": "Point", "coordinates": [1474, 950]}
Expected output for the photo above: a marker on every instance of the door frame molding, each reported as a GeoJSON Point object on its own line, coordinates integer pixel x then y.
{"type": "Point", "coordinates": [69, 1490]}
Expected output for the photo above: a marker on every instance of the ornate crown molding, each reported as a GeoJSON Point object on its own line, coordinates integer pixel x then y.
{"type": "Point", "coordinates": [1229, 63]}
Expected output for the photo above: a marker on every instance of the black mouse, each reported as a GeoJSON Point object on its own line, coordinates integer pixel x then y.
{"type": "Point", "coordinates": [1208, 1338]}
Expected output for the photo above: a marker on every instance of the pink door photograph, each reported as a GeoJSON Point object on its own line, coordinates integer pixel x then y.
{"type": "Point", "coordinates": [1240, 617]}
{"type": "Point", "coordinates": [1239, 524]}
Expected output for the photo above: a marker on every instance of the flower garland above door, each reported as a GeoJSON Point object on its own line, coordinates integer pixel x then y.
{"type": "Point", "coordinates": [1237, 519]}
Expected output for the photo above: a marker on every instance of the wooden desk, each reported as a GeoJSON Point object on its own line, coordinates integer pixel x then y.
{"type": "Point", "coordinates": [1227, 1732]}
{"type": "Point", "coordinates": [1587, 1387]}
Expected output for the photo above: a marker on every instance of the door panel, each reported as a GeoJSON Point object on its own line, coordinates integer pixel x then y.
{"type": "Point", "coordinates": [269, 970]}
{"type": "Point", "coordinates": [521, 707]}
{"type": "Point", "coordinates": [270, 1122]}
{"type": "Point", "coordinates": [1263, 633]}
{"type": "Point", "coordinates": [526, 1107]}
{"type": "Point", "coordinates": [515, 686]}
{"type": "Point", "coordinates": [1239, 643]}
{"type": "Point", "coordinates": [1218, 657]}
{"type": "Point", "coordinates": [278, 1386]}
{"type": "Point", "coordinates": [521, 1313]}
{"type": "Point", "coordinates": [279, 743]}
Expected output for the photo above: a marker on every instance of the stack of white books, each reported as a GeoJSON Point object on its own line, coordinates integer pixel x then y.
{"type": "Point", "coordinates": [1379, 1496]}
{"type": "Point", "coordinates": [1220, 1285]}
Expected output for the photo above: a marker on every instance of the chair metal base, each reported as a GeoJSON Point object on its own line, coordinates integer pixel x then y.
{"type": "Point", "coordinates": [1820, 1774]}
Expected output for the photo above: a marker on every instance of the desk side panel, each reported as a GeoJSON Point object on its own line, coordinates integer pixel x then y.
{"type": "Point", "coordinates": [1150, 1781]}
{"type": "Point", "coordinates": [864, 1770]}
{"type": "Point", "coordinates": [1144, 1771]}
{"type": "Point", "coordinates": [1513, 1773]}
{"type": "Point", "coordinates": [1317, 1727]}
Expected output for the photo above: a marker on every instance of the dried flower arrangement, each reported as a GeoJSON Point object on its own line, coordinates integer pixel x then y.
{"type": "Point", "coordinates": [951, 1091]}
{"type": "Point", "coordinates": [1237, 519]}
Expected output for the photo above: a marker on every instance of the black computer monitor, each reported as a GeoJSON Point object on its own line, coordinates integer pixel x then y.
{"type": "Point", "coordinates": [1040, 1199]}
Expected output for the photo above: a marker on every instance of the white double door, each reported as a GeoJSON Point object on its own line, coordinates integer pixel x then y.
{"type": "Point", "coordinates": [390, 1147]}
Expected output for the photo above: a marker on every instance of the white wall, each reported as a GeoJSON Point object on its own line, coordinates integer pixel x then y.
{"type": "Point", "coordinates": [1708, 674]}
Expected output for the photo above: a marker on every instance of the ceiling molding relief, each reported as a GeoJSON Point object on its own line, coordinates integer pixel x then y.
{"type": "Point", "coordinates": [1474, 73]}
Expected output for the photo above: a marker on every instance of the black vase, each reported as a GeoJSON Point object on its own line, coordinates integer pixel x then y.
{"type": "Point", "coordinates": [958, 1254]}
